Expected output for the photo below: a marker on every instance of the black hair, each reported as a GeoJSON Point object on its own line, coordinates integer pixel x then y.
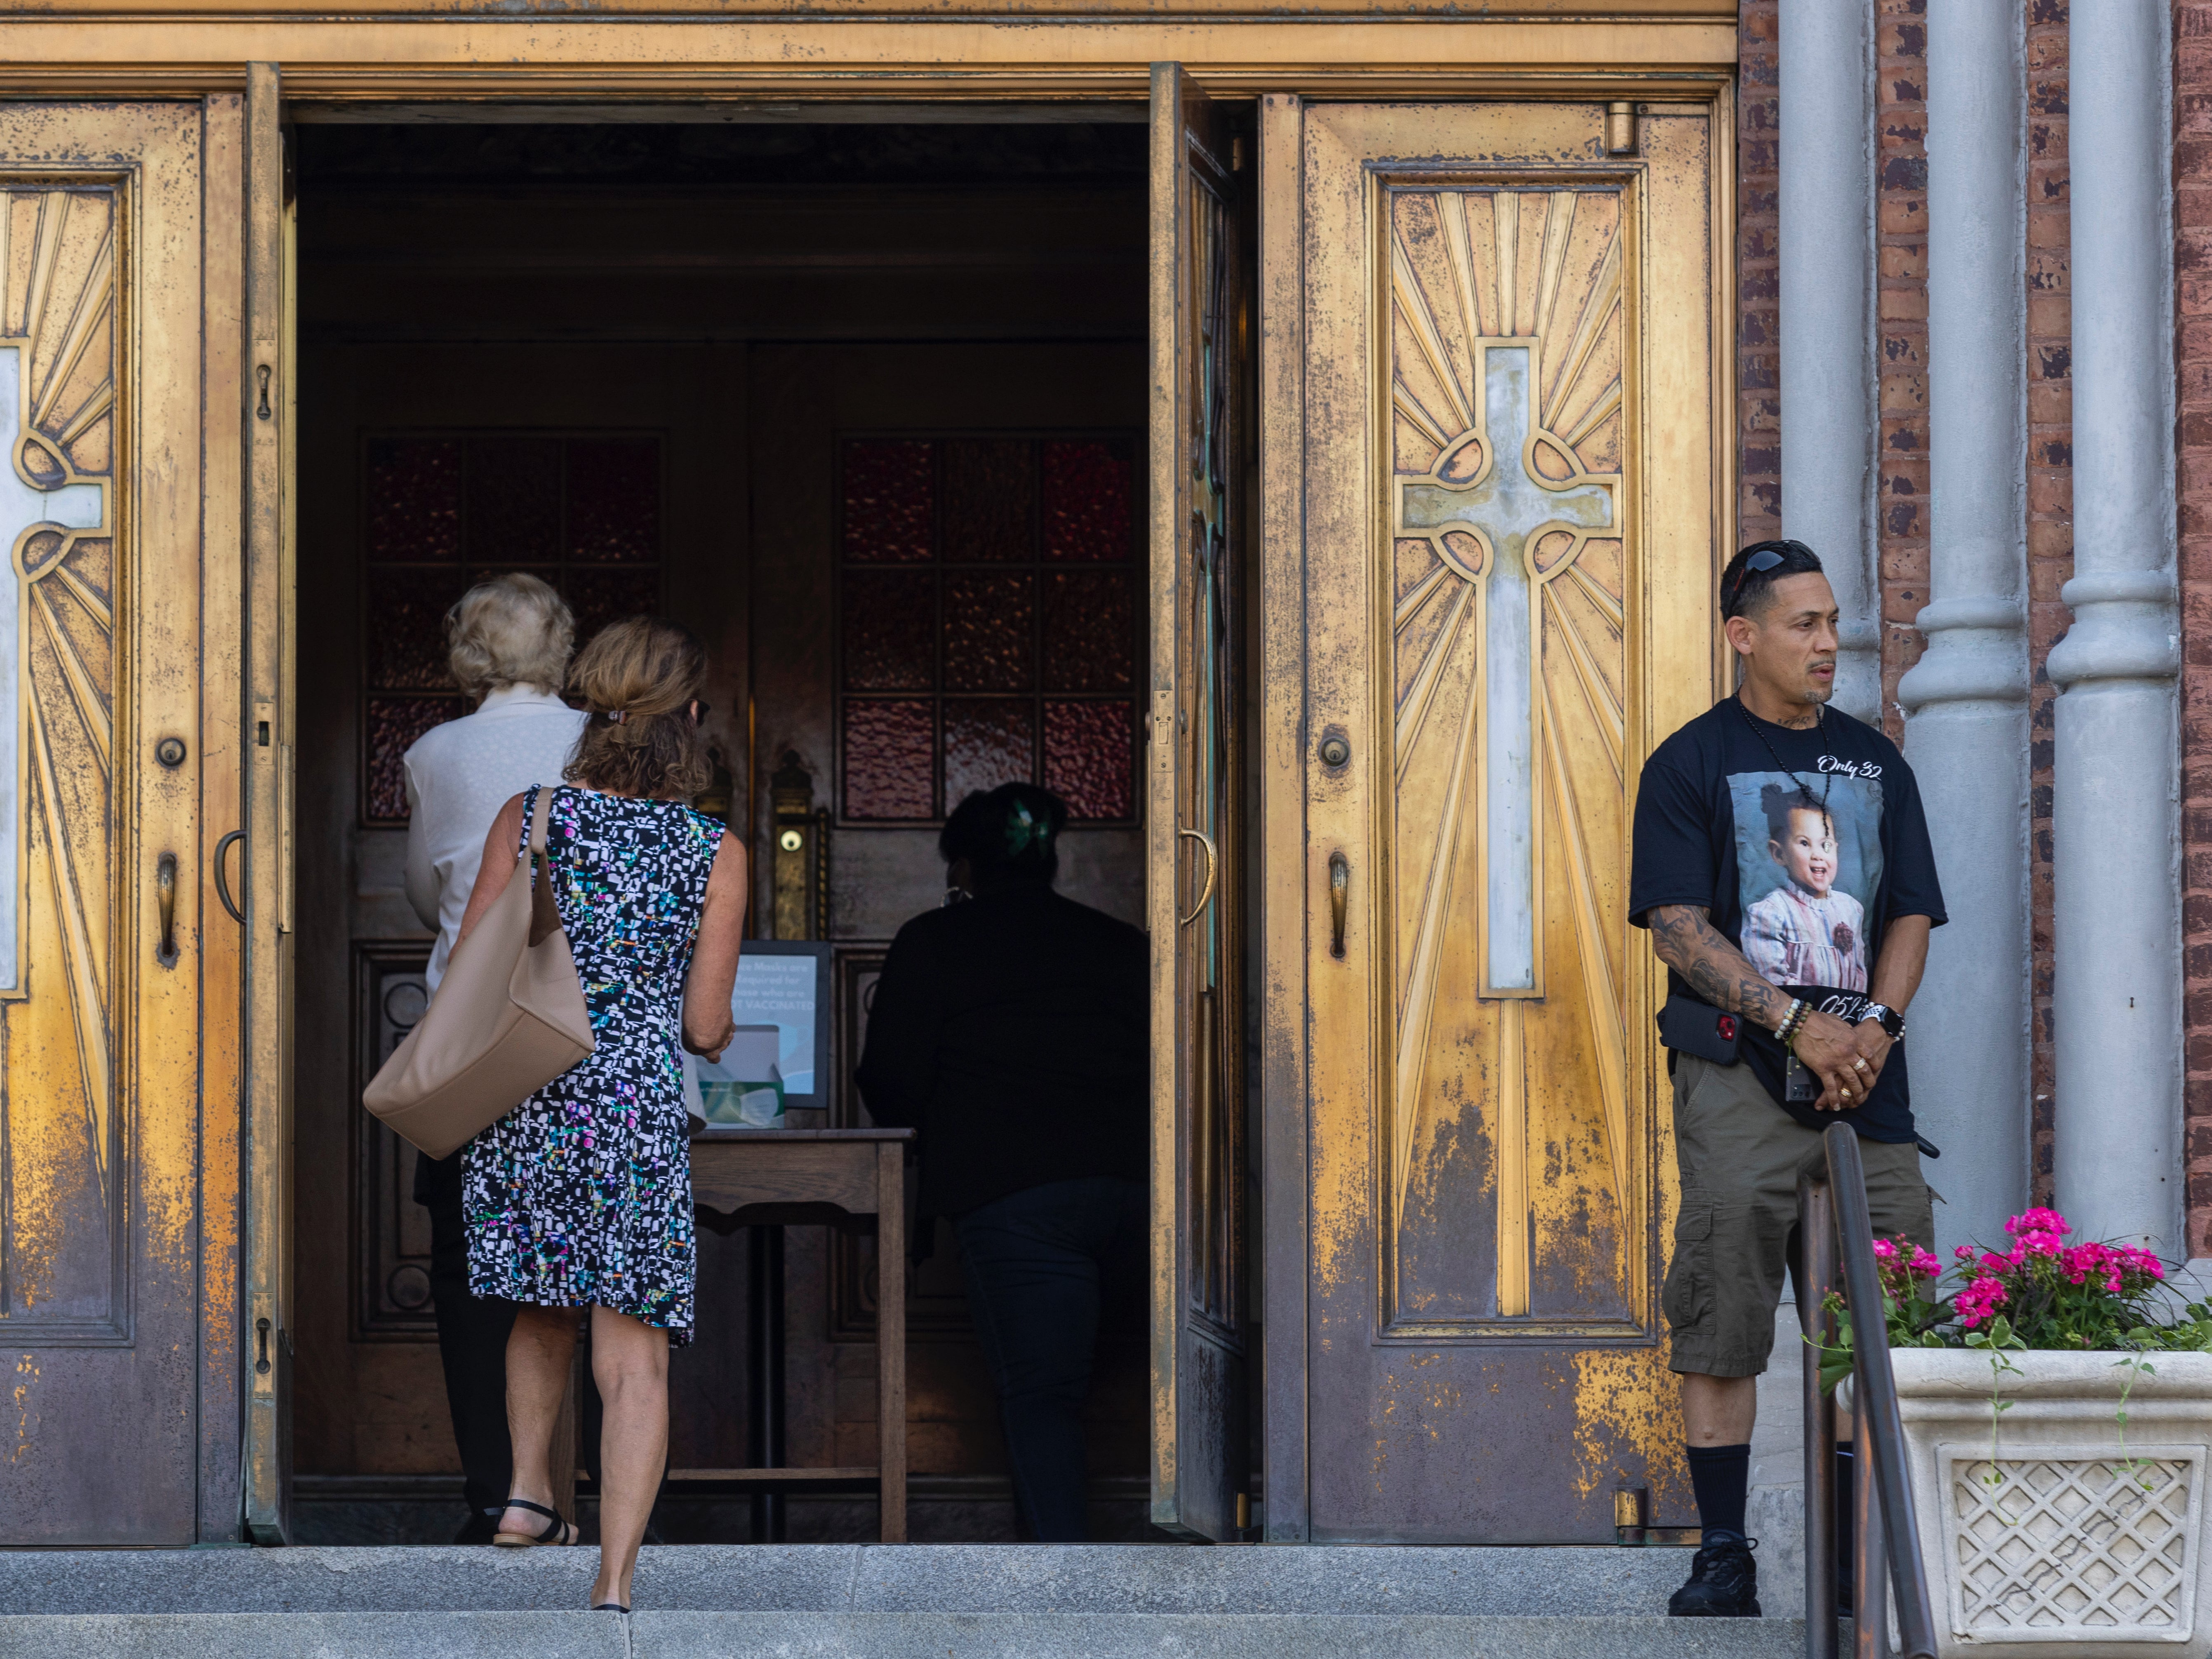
{"type": "Point", "coordinates": [1778, 802]}
{"type": "Point", "coordinates": [1013, 831]}
{"type": "Point", "coordinates": [1744, 590]}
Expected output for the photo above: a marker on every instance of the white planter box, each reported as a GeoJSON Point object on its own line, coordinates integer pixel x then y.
{"type": "Point", "coordinates": [2071, 1554]}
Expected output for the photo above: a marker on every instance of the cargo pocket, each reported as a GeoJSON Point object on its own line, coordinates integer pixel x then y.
{"type": "Point", "coordinates": [1687, 1298]}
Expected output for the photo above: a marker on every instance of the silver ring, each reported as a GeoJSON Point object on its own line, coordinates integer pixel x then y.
{"type": "Point", "coordinates": [1858, 1066]}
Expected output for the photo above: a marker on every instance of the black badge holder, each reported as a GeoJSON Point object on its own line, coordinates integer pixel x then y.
{"type": "Point", "coordinates": [1690, 1027]}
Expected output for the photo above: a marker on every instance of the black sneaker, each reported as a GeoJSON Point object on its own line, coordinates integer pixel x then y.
{"type": "Point", "coordinates": [1723, 1584]}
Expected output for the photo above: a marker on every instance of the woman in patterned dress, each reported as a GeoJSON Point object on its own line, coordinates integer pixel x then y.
{"type": "Point", "coordinates": [581, 1196]}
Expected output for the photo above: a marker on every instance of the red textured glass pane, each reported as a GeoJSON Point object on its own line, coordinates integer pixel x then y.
{"type": "Point", "coordinates": [1088, 758]}
{"type": "Point", "coordinates": [599, 596]}
{"type": "Point", "coordinates": [989, 620]}
{"type": "Point", "coordinates": [889, 753]}
{"type": "Point", "coordinates": [889, 491]}
{"type": "Point", "coordinates": [393, 724]}
{"type": "Point", "coordinates": [1086, 503]}
{"type": "Point", "coordinates": [990, 500]}
{"type": "Point", "coordinates": [405, 647]}
{"type": "Point", "coordinates": [614, 500]}
{"type": "Point", "coordinates": [889, 623]}
{"type": "Point", "coordinates": [1090, 631]}
{"type": "Point", "coordinates": [514, 500]}
{"type": "Point", "coordinates": [414, 498]}
{"type": "Point", "coordinates": [988, 742]}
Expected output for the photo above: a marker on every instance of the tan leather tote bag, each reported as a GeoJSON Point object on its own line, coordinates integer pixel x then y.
{"type": "Point", "coordinates": [508, 1019]}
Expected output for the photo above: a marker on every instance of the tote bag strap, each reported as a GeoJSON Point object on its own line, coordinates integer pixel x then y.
{"type": "Point", "coordinates": [544, 916]}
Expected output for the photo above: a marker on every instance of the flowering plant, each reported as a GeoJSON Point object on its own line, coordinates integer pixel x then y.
{"type": "Point", "coordinates": [2043, 1293]}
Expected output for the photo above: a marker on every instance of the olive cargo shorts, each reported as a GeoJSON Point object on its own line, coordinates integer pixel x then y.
{"type": "Point", "coordinates": [1740, 1155]}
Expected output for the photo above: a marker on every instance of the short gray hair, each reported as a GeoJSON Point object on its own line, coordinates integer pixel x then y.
{"type": "Point", "coordinates": [510, 630]}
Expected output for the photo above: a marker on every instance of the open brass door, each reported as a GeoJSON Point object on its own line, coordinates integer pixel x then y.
{"type": "Point", "coordinates": [1510, 429]}
{"type": "Point", "coordinates": [117, 1147]}
{"type": "Point", "coordinates": [1199, 1398]}
{"type": "Point", "coordinates": [265, 416]}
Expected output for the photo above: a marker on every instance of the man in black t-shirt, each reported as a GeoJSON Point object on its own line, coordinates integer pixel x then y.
{"type": "Point", "coordinates": [1782, 865]}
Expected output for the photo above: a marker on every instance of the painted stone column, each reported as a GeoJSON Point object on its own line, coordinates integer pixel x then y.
{"type": "Point", "coordinates": [1965, 733]}
{"type": "Point", "coordinates": [1829, 412]}
{"type": "Point", "coordinates": [2115, 820]}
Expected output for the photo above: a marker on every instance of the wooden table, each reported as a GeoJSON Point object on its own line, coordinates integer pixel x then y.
{"type": "Point", "coordinates": [851, 1179]}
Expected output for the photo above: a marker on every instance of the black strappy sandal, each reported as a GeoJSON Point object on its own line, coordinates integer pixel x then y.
{"type": "Point", "coordinates": [558, 1531]}
{"type": "Point", "coordinates": [608, 1607]}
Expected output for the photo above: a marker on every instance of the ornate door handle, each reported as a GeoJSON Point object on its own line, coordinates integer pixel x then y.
{"type": "Point", "coordinates": [1339, 899]}
{"type": "Point", "coordinates": [165, 896]}
{"type": "Point", "coordinates": [221, 885]}
{"type": "Point", "coordinates": [1212, 869]}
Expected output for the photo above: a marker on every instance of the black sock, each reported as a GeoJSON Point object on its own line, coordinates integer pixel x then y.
{"type": "Point", "coordinates": [1721, 1478]}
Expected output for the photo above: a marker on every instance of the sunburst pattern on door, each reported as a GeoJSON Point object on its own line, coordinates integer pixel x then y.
{"type": "Point", "coordinates": [1511, 518]}
{"type": "Point", "coordinates": [59, 341]}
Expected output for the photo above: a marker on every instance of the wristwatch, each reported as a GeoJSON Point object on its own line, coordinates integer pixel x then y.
{"type": "Point", "coordinates": [1892, 1023]}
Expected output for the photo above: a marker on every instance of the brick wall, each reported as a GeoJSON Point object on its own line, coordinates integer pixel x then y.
{"type": "Point", "coordinates": [2192, 261]}
{"type": "Point", "coordinates": [1758, 343]}
{"type": "Point", "coordinates": [2049, 300]}
{"type": "Point", "coordinates": [1901, 266]}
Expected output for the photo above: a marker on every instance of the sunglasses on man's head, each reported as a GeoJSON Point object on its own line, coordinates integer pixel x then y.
{"type": "Point", "coordinates": [1762, 561]}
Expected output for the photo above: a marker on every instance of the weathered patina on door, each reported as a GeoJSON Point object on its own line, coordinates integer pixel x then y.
{"type": "Point", "coordinates": [106, 1249]}
{"type": "Point", "coordinates": [1199, 1413]}
{"type": "Point", "coordinates": [1515, 501]}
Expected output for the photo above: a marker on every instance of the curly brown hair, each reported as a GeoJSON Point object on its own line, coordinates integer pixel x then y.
{"type": "Point", "coordinates": [638, 679]}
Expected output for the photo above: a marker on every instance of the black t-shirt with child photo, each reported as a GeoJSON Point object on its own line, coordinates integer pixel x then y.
{"type": "Point", "coordinates": [1801, 845]}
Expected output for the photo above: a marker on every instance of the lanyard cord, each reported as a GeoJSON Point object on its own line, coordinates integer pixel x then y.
{"type": "Point", "coordinates": [1819, 730]}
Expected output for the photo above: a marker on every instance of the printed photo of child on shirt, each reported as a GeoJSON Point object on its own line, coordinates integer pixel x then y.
{"type": "Point", "coordinates": [1803, 865]}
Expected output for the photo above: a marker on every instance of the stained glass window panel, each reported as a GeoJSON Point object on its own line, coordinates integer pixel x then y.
{"type": "Point", "coordinates": [414, 498]}
{"type": "Point", "coordinates": [1087, 511]}
{"type": "Point", "coordinates": [990, 500]}
{"type": "Point", "coordinates": [890, 750]}
{"type": "Point", "coordinates": [599, 596]}
{"type": "Point", "coordinates": [405, 639]}
{"type": "Point", "coordinates": [1089, 632]}
{"type": "Point", "coordinates": [990, 620]}
{"type": "Point", "coordinates": [890, 623]}
{"type": "Point", "coordinates": [514, 500]}
{"type": "Point", "coordinates": [394, 723]}
{"type": "Point", "coordinates": [988, 742]}
{"type": "Point", "coordinates": [614, 500]}
{"type": "Point", "coordinates": [1088, 760]}
{"type": "Point", "coordinates": [890, 498]}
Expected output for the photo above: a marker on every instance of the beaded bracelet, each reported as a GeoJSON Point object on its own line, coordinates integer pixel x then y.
{"type": "Point", "coordinates": [1792, 1022]}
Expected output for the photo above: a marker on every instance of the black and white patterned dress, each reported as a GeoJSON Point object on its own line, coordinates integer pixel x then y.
{"type": "Point", "coordinates": [582, 1194]}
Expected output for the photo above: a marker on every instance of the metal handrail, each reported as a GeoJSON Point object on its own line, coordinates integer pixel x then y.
{"type": "Point", "coordinates": [1831, 1206]}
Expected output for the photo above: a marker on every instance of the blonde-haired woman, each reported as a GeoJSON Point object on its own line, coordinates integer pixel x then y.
{"type": "Point", "coordinates": [508, 642]}
{"type": "Point", "coordinates": [581, 1197]}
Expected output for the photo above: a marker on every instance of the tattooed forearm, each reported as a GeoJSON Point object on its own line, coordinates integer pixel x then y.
{"type": "Point", "coordinates": [1715, 970]}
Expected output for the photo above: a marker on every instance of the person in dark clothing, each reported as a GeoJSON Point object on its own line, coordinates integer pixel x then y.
{"type": "Point", "coordinates": [1009, 1029]}
{"type": "Point", "coordinates": [472, 1333]}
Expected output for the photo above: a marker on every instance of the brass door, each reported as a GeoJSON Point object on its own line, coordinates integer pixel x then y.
{"type": "Point", "coordinates": [118, 1275]}
{"type": "Point", "coordinates": [1199, 1412]}
{"type": "Point", "coordinates": [1509, 420]}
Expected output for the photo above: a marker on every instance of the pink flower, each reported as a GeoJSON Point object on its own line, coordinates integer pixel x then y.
{"type": "Point", "coordinates": [1884, 1250]}
{"type": "Point", "coordinates": [1963, 1253]}
{"type": "Point", "coordinates": [1998, 1264]}
{"type": "Point", "coordinates": [1978, 1301]}
{"type": "Point", "coordinates": [1924, 1264]}
{"type": "Point", "coordinates": [2039, 1221]}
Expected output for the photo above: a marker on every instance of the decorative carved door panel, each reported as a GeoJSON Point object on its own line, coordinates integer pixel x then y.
{"type": "Point", "coordinates": [1192, 831]}
{"type": "Point", "coordinates": [1516, 502]}
{"type": "Point", "coordinates": [117, 1403]}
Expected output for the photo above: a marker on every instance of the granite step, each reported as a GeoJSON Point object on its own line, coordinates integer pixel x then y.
{"type": "Point", "coordinates": [845, 1635]}
{"type": "Point", "coordinates": [858, 1578]}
